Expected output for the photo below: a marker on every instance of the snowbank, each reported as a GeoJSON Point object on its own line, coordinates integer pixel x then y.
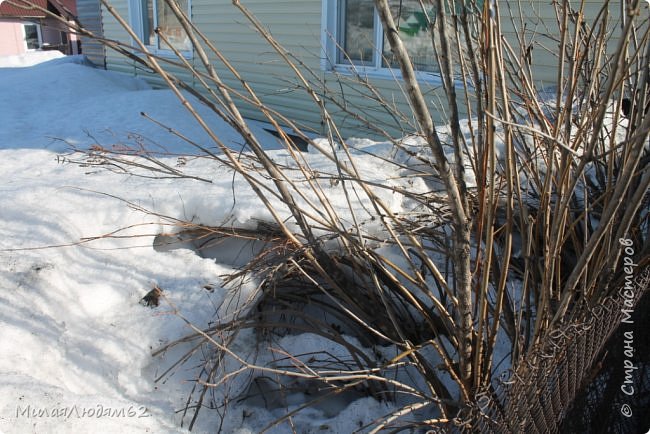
{"type": "Point", "coordinates": [64, 102]}
{"type": "Point", "coordinates": [29, 59]}
{"type": "Point", "coordinates": [76, 344]}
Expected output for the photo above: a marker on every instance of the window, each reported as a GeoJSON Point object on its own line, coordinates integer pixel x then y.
{"type": "Point", "coordinates": [147, 15]}
{"type": "Point", "coordinates": [362, 41]}
{"type": "Point", "coordinates": [33, 39]}
{"type": "Point", "coordinates": [353, 36]}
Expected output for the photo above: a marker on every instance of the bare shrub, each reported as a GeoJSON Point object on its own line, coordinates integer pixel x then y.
{"type": "Point", "coordinates": [516, 211]}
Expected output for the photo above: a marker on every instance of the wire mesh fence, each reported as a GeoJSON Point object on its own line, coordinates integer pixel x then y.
{"type": "Point", "coordinates": [575, 381]}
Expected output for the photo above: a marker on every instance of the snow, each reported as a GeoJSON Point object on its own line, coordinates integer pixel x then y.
{"type": "Point", "coordinates": [76, 343]}
{"type": "Point", "coordinates": [29, 59]}
{"type": "Point", "coordinates": [78, 106]}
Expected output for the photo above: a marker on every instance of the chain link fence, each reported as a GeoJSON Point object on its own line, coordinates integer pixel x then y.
{"type": "Point", "coordinates": [572, 383]}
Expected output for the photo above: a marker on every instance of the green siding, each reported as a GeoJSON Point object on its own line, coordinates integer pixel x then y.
{"type": "Point", "coordinates": [297, 26]}
{"type": "Point", "coordinates": [540, 29]}
{"type": "Point", "coordinates": [89, 15]}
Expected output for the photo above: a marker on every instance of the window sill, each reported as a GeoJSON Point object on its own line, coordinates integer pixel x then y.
{"type": "Point", "coordinates": [430, 78]}
{"type": "Point", "coordinates": [168, 54]}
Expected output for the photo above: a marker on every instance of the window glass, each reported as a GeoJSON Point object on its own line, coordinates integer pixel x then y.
{"type": "Point", "coordinates": [414, 31]}
{"type": "Point", "coordinates": [31, 37]}
{"type": "Point", "coordinates": [360, 38]}
{"type": "Point", "coordinates": [171, 27]}
{"type": "Point", "coordinates": [358, 20]}
{"type": "Point", "coordinates": [157, 14]}
{"type": "Point", "coordinates": [148, 23]}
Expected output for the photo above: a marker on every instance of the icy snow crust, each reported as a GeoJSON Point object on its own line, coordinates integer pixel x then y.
{"type": "Point", "coordinates": [76, 344]}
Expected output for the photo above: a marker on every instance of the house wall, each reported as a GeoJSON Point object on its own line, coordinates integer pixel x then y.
{"type": "Point", "coordinates": [54, 36]}
{"type": "Point", "coordinates": [51, 33]}
{"type": "Point", "coordinates": [540, 33]}
{"type": "Point", "coordinates": [11, 38]}
{"type": "Point", "coordinates": [297, 26]}
{"type": "Point", "coordinates": [90, 15]}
